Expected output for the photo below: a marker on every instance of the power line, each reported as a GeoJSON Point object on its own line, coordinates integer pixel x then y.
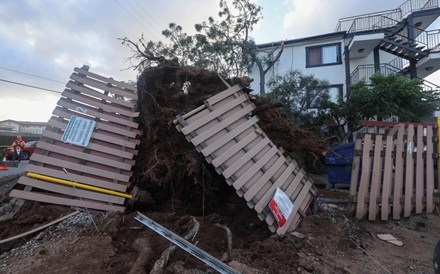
{"type": "Point", "coordinates": [33, 75]}
{"type": "Point", "coordinates": [135, 18]}
{"type": "Point", "coordinates": [149, 15]}
{"type": "Point", "coordinates": [30, 86]}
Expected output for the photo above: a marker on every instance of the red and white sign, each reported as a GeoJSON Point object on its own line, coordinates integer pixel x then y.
{"type": "Point", "coordinates": [281, 207]}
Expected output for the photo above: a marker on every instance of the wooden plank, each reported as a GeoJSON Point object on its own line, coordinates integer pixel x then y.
{"type": "Point", "coordinates": [128, 86]}
{"type": "Point", "coordinates": [409, 172]}
{"type": "Point", "coordinates": [39, 197]}
{"type": "Point", "coordinates": [264, 201]}
{"type": "Point", "coordinates": [84, 156]}
{"type": "Point", "coordinates": [103, 86]}
{"type": "Point", "coordinates": [376, 178]}
{"type": "Point", "coordinates": [301, 197]}
{"type": "Point", "coordinates": [218, 161]}
{"type": "Point", "coordinates": [86, 90]}
{"type": "Point", "coordinates": [303, 207]}
{"type": "Point", "coordinates": [265, 179]}
{"type": "Point", "coordinates": [354, 181]}
{"type": "Point", "coordinates": [398, 177]}
{"type": "Point", "coordinates": [365, 177]}
{"type": "Point", "coordinates": [92, 146]}
{"type": "Point", "coordinates": [420, 168]}
{"type": "Point", "coordinates": [204, 119]}
{"type": "Point", "coordinates": [38, 228]}
{"type": "Point", "coordinates": [75, 178]}
{"type": "Point", "coordinates": [255, 168]}
{"type": "Point", "coordinates": [222, 125]}
{"type": "Point", "coordinates": [429, 170]}
{"type": "Point", "coordinates": [297, 184]}
{"type": "Point", "coordinates": [394, 130]}
{"type": "Point", "coordinates": [228, 137]}
{"type": "Point", "coordinates": [71, 191]}
{"type": "Point", "coordinates": [387, 173]}
{"type": "Point", "coordinates": [95, 113]}
{"type": "Point", "coordinates": [104, 125]}
{"type": "Point", "coordinates": [245, 158]}
{"type": "Point", "coordinates": [99, 103]}
{"type": "Point", "coordinates": [224, 94]}
{"type": "Point", "coordinates": [78, 167]}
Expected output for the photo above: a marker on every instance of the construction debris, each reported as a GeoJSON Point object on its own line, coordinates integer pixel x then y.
{"type": "Point", "coordinates": [38, 228]}
{"type": "Point", "coordinates": [185, 245]}
{"type": "Point", "coordinates": [389, 238]}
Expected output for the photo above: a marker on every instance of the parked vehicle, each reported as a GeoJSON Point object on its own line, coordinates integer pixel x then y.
{"type": "Point", "coordinates": [25, 154]}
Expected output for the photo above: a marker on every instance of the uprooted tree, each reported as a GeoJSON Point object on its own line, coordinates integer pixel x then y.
{"type": "Point", "coordinates": [223, 45]}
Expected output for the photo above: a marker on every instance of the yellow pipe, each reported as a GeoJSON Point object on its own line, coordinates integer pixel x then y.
{"type": "Point", "coordinates": [78, 185]}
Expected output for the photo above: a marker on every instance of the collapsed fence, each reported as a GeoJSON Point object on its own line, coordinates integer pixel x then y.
{"type": "Point", "coordinates": [227, 134]}
{"type": "Point", "coordinates": [85, 155]}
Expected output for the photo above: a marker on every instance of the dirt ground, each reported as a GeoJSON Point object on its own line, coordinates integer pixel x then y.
{"type": "Point", "coordinates": [96, 242]}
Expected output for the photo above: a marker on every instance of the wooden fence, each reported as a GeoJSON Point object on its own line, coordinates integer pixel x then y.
{"type": "Point", "coordinates": [227, 134]}
{"type": "Point", "coordinates": [105, 106]}
{"type": "Point", "coordinates": [393, 170]}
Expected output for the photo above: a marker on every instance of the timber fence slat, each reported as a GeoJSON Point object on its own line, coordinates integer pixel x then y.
{"type": "Point", "coordinates": [98, 103]}
{"type": "Point", "coordinates": [45, 198]}
{"type": "Point", "coordinates": [398, 184]}
{"type": "Point", "coordinates": [375, 177]}
{"type": "Point", "coordinates": [86, 90]}
{"type": "Point", "coordinates": [420, 168]}
{"type": "Point", "coordinates": [387, 173]}
{"type": "Point", "coordinates": [130, 87]}
{"type": "Point", "coordinates": [103, 86]}
{"type": "Point", "coordinates": [365, 177]}
{"type": "Point", "coordinates": [409, 172]}
{"type": "Point", "coordinates": [429, 170]}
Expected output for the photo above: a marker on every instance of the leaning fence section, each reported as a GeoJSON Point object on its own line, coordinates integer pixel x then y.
{"type": "Point", "coordinates": [226, 132]}
{"type": "Point", "coordinates": [85, 155]}
{"type": "Point", "coordinates": [393, 170]}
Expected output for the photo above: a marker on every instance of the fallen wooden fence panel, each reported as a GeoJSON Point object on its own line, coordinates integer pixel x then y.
{"type": "Point", "coordinates": [400, 180]}
{"type": "Point", "coordinates": [102, 160]}
{"type": "Point", "coordinates": [227, 134]}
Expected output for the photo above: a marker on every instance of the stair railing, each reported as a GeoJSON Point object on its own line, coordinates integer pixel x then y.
{"type": "Point", "coordinates": [364, 73]}
{"type": "Point", "coordinates": [367, 21]}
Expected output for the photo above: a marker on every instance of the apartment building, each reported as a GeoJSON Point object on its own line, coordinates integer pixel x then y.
{"type": "Point", "coordinates": [392, 41]}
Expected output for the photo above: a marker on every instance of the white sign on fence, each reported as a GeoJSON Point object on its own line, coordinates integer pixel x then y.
{"type": "Point", "coordinates": [78, 131]}
{"type": "Point", "coordinates": [281, 207]}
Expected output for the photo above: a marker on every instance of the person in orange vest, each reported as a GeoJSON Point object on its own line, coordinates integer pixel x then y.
{"type": "Point", "coordinates": [17, 145]}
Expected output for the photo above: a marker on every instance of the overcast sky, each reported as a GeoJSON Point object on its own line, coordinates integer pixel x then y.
{"type": "Point", "coordinates": [48, 38]}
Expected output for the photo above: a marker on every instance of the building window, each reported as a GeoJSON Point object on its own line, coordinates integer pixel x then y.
{"type": "Point", "coordinates": [335, 92]}
{"type": "Point", "coordinates": [323, 55]}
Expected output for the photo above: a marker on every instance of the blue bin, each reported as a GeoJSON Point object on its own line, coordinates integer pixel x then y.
{"type": "Point", "coordinates": [339, 163]}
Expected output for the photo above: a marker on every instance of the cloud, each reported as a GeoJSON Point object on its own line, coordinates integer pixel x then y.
{"type": "Point", "coordinates": [315, 17]}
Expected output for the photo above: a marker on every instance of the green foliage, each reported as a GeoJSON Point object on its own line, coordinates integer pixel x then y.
{"type": "Point", "coordinates": [385, 97]}
{"type": "Point", "coordinates": [221, 45]}
{"type": "Point", "coordinates": [301, 95]}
